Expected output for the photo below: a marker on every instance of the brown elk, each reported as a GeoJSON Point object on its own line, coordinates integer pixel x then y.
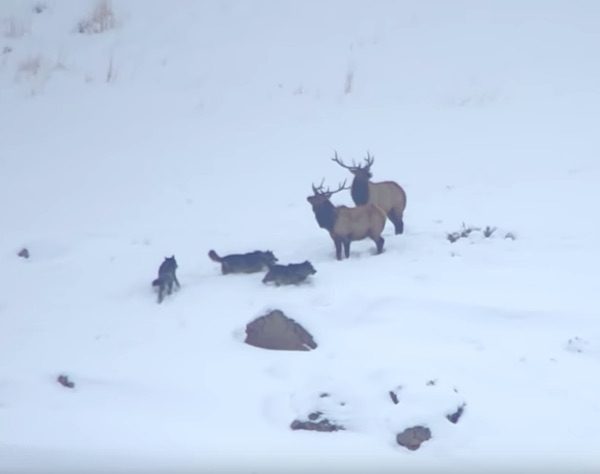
{"type": "Point", "coordinates": [388, 195]}
{"type": "Point", "coordinates": [346, 224]}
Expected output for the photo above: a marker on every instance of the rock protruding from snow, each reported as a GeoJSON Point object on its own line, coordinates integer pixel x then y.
{"type": "Point", "coordinates": [64, 381]}
{"type": "Point", "coordinates": [276, 331]}
{"type": "Point", "coordinates": [454, 417]}
{"type": "Point", "coordinates": [24, 253]}
{"type": "Point", "coordinates": [413, 437]}
{"type": "Point", "coordinates": [316, 422]}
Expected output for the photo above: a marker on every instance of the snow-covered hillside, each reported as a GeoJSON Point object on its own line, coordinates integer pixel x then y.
{"type": "Point", "coordinates": [187, 126]}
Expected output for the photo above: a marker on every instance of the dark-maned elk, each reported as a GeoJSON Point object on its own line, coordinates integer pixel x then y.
{"type": "Point", "coordinates": [346, 224]}
{"type": "Point", "coordinates": [388, 195]}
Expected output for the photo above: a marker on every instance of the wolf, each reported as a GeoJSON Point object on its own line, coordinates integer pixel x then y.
{"type": "Point", "coordinates": [166, 277]}
{"type": "Point", "coordinates": [244, 263]}
{"type": "Point", "coordinates": [290, 274]}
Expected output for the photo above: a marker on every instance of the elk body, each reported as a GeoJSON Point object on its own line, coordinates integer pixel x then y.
{"type": "Point", "coordinates": [387, 195]}
{"type": "Point", "coordinates": [347, 224]}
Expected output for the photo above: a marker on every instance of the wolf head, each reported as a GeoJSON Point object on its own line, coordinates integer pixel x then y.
{"type": "Point", "coordinates": [308, 268]}
{"type": "Point", "coordinates": [269, 258]}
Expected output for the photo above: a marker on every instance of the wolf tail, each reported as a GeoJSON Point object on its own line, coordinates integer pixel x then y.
{"type": "Point", "coordinates": [213, 256]}
{"type": "Point", "coordinates": [156, 282]}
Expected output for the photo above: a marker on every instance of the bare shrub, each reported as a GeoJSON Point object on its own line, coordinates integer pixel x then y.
{"type": "Point", "coordinates": [39, 7]}
{"type": "Point", "coordinates": [11, 28]}
{"type": "Point", "coordinates": [488, 231]}
{"type": "Point", "coordinates": [349, 82]}
{"type": "Point", "coordinates": [466, 231]}
{"type": "Point", "coordinates": [30, 66]}
{"type": "Point", "coordinates": [461, 234]}
{"type": "Point", "coordinates": [101, 19]}
{"type": "Point", "coordinates": [110, 71]}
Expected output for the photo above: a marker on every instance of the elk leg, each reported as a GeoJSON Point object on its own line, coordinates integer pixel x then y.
{"type": "Point", "coordinates": [338, 249]}
{"type": "Point", "coordinates": [347, 248]}
{"type": "Point", "coordinates": [379, 243]}
{"type": "Point", "coordinates": [397, 221]}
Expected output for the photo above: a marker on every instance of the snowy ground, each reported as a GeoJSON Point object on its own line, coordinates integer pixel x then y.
{"type": "Point", "coordinates": [199, 125]}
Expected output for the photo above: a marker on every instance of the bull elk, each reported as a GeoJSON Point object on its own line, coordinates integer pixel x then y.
{"type": "Point", "coordinates": [347, 224]}
{"type": "Point", "coordinates": [388, 195]}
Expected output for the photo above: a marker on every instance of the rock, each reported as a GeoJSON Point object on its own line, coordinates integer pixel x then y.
{"type": "Point", "coordinates": [394, 397]}
{"type": "Point", "coordinates": [412, 438]}
{"type": "Point", "coordinates": [277, 331]}
{"type": "Point", "coordinates": [312, 424]}
{"type": "Point", "coordinates": [65, 382]}
{"type": "Point", "coordinates": [23, 253]}
{"type": "Point", "coordinates": [454, 417]}
{"type": "Point", "coordinates": [577, 345]}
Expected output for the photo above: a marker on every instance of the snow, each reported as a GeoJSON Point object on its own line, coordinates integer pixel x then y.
{"type": "Point", "coordinates": [199, 125]}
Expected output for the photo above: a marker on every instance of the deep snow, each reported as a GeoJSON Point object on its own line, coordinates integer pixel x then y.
{"type": "Point", "coordinates": [199, 125]}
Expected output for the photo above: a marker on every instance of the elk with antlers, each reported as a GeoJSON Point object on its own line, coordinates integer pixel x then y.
{"type": "Point", "coordinates": [346, 224]}
{"type": "Point", "coordinates": [388, 195]}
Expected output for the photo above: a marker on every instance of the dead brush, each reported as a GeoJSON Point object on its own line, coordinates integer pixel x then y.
{"type": "Point", "coordinates": [100, 20]}
{"type": "Point", "coordinates": [466, 231]}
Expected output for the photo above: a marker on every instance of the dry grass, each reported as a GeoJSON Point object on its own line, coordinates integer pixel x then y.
{"type": "Point", "coordinates": [101, 19]}
{"type": "Point", "coordinates": [30, 66]}
{"type": "Point", "coordinates": [11, 28]}
{"type": "Point", "coordinates": [349, 82]}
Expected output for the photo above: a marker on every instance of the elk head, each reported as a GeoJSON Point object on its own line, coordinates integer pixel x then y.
{"type": "Point", "coordinates": [320, 195]}
{"type": "Point", "coordinates": [325, 212]}
{"type": "Point", "coordinates": [361, 171]}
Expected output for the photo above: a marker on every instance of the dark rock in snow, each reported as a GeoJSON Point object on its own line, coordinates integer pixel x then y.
{"type": "Point", "coordinates": [277, 331]}
{"type": "Point", "coordinates": [394, 397]}
{"type": "Point", "coordinates": [23, 253]}
{"type": "Point", "coordinates": [65, 382]}
{"type": "Point", "coordinates": [312, 424]}
{"type": "Point", "coordinates": [577, 345]}
{"type": "Point", "coordinates": [412, 438]}
{"type": "Point", "coordinates": [454, 417]}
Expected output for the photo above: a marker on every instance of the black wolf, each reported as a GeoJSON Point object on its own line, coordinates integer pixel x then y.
{"type": "Point", "coordinates": [291, 274]}
{"type": "Point", "coordinates": [244, 263]}
{"type": "Point", "coordinates": [166, 277]}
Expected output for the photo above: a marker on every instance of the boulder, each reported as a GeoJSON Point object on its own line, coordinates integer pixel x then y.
{"type": "Point", "coordinates": [454, 417]}
{"type": "Point", "coordinates": [412, 438]}
{"type": "Point", "coordinates": [316, 422]}
{"type": "Point", "coordinates": [64, 381]}
{"type": "Point", "coordinates": [24, 253]}
{"type": "Point", "coordinates": [278, 332]}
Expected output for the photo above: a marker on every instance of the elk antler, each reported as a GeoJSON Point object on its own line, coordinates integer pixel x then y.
{"type": "Point", "coordinates": [337, 159]}
{"type": "Point", "coordinates": [368, 161]}
{"type": "Point", "coordinates": [318, 189]}
{"type": "Point", "coordinates": [341, 187]}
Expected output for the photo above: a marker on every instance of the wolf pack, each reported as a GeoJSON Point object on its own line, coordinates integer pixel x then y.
{"type": "Point", "coordinates": [374, 203]}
